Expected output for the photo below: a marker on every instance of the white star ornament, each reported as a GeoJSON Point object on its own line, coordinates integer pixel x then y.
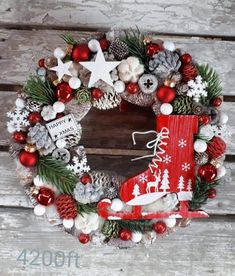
{"type": "Point", "coordinates": [62, 68]}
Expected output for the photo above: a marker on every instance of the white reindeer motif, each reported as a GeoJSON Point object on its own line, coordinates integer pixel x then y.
{"type": "Point", "coordinates": [154, 183]}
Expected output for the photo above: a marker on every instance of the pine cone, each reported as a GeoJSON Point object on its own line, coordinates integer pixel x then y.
{"type": "Point", "coordinates": [188, 71]}
{"type": "Point", "coordinates": [164, 63]}
{"type": "Point", "coordinates": [101, 178]}
{"type": "Point", "coordinates": [183, 105]}
{"type": "Point", "coordinates": [66, 206]}
{"type": "Point", "coordinates": [110, 229]}
{"type": "Point", "coordinates": [197, 109]}
{"type": "Point", "coordinates": [32, 106]}
{"type": "Point", "coordinates": [119, 49]}
{"type": "Point", "coordinates": [201, 158]}
{"type": "Point", "coordinates": [182, 89]}
{"type": "Point", "coordinates": [216, 147]}
{"type": "Point", "coordinates": [110, 192]}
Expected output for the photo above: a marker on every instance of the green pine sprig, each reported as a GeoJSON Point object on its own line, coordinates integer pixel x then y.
{"type": "Point", "coordinates": [68, 38]}
{"type": "Point", "coordinates": [214, 88]}
{"type": "Point", "coordinates": [200, 193]}
{"type": "Point", "coordinates": [136, 225]}
{"type": "Point", "coordinates": [55, 172]}
{"type": "Point", "coordinates": [86, 208]}
{"type": "Point", "coordinates": [39, 90]}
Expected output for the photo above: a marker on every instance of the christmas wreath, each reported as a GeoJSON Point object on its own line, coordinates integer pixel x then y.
{"type": "Point", "coordinates": [187, 152]}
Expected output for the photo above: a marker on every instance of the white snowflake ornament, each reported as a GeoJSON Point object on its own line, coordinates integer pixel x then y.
{"type": "Point", "coordinates": [18, 119]}
{"type": "Point", "coordinates": [197, 88]}
{"type": "Point", "coordinates": [79, 166]}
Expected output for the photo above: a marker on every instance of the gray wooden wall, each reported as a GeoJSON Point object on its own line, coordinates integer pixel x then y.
{"type": "Point", "coordinates": [29, 30]}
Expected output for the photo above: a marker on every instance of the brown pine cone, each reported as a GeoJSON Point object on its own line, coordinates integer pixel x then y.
{"type": "Point", "coordinates": [66, 206]}
{"type": "Point", "coordinates": [188, 71]}
{"type": "Point", "coordinates": [216, 147]}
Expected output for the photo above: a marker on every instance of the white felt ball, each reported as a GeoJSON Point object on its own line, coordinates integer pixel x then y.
{"type": "Point", "coordinates": [136, 237]}
{"type": "Point", "coordinates": [59, 107]}
{"type": "Point", "coordinates": [19, 102]}
{"type": "Point", "coordinates": [61, 143]}
{"type": "Point", "coordinates": [119, 86]}
{"type": "Point", "coordinates": [93, 45]}
{"type": "Point", "coordinates": [170, 222]}
{"type": "Point", "coordinates": [59, 53]}
{"type": "Point", "coordinates": [221, 171]}
{"type": "Point", "coordinates": [116, 205]}
{"type": "Point", "coordinates": [169, 45]}
{"type": "Point", "coordinates": [166, 109]}
{"type": "Point", "coordinates": [38, 181]}
{"type": "Point", "coordinates": [223, 119]}
{"type": "Point", "coordinates": [39, 210]}
{"type": "Point", "coordinates": [200, 146]}
{"type": "Point", "coordinates": [11, 129]}
{"type": "Point", "coordinates": [68, 223]}
{"type": "Point", "coordinates": [74, 82]}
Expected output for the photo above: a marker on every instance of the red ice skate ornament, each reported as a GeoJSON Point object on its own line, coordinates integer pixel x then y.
{"type": "Point", "coordinates": [186, 152]}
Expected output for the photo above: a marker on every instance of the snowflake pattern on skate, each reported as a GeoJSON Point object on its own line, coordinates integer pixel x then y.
{"type": "Point", "coordinates": [143, 178]}
{"type": "Point", "coordinates": [18, 119]}
{"type": "Point", "coordinates": [166, 159]}
{"type": "Point", "coordinates": [185, 167]}
{"type": "Point", "coordinates": [182, 143]}
{"type": "Point", "coordinates": [79, 166]}
{"type": "Point", "coordinates": [197, 88]}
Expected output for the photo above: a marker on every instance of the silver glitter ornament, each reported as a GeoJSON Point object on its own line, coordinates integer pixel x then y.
{"type": "Point", "coordinates": [119, 49]}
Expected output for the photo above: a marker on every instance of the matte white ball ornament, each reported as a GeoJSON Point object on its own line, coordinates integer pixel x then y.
{"type": "Point", "coordinates": [117, 205]}
{"type": "Point", "coordinates": [136, 237]}
{"type": "Point", "coordinates": [38, 181]}
{"type": "Point", "coordinates": [59, 53]}
{"type": "Point", "coordinates": [61, 143]}
{"type": "Point", "coordinates": [93, 45]}
{"type": "Point", "coordinates": [119, 86]}
{"type": "Point", "coordinates": [59, 107]}
{"type": "Point", "coordinates": [19, 102]}
{"type": "Point", "coordinates": [11, 128]}
{"type": "Point", "coordinates": [223, 119]}
{"type": "Point", "coordinates": [39, 210]}
{"type": "Point", "coordinates": [200, 146]}
{"type": "Point", "coordinates": [170, 222]}
{"type": "Point", "coordinates": [68, 223]}
{"type": "Point", "coordinates": [74, 82]}
{"type": "Point", "coordinates": [221, 171]}
{"type": "Point", "coordinates": [166, 109]}
{"type": "Point", "coordinates": [169, 45]}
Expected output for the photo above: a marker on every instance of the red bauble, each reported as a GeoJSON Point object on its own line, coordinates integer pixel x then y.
{"type": "Point", "coordinates": [160, 227]}
{"type": "Point", "coordinates": [216, 147]}
{"type": "Point", "coordinates": [45, 196]}
{"type": "Point", "coordinates": [28, 159]}
{"type": "Point", "coordinates": [104, 44]}
{"type": "Point", "coordinates": [97, 93]}
{"type": "Point", "coordinates": [165, 94]}
{"type": "Point", "coordinates": [20, 136]}
{"type": "Point", "coordinates": [188, 71]}
{"type": "Point", "coordinates": [125, 234]}
{"type": "Point", "coordinates": [34, 117]}
{"type": "Point", "coordinates": [84, 238]}
{"type": "Point", "coordinates": [85, 179]}
{"type": "Point", "coordinates": [207, 172]}
{"type": "Point", "coordinates": [204, 119]}
{"type": "Point", "coordinates": [211, 193]}
{"type": "Point", "coordinates": [41, 62]}
{"type": "Point", "coordinates": [64, 93]}
{"type": "Point", "coordinates": [152, 49]}
{"type": "Point", "coordinates": [216, 102]}
{"type": "Point", "coordinates": [81, 52]}
{"type": "Point", "coordinates": [186, 58]}
{"type": "Point", "coordinates": [133, 88]}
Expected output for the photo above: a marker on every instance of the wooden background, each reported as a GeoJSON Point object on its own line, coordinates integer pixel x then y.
{"type": "Point", "coordinates": [29, 30]}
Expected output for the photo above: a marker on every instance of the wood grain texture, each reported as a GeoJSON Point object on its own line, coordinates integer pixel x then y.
{"type": "Point", "coordinates": [206, 247]}
{"type": "Point", "coordinates": [210, 17]}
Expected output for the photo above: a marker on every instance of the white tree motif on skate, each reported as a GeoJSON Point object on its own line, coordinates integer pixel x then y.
{"type": "Point", "coordinates": [181, 183]}
{"type": "Point", "coordinates": [154, 183]}
{"type": "Point", "coordinates": [165, 181]}
{"type": "Point", "coordinates": [189, 186]}
{"type": "Point", "coordinates": [136, 190]}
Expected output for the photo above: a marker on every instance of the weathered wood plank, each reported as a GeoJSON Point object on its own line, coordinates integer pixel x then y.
{"type": "Point", "coordinates": [11, 193]}
{"type": "Point", "coordinates": [22, 49]}
{"type": "Point", "coordinates": [198, 17]}
{"type": "Point", "coordinates": [199, 249]}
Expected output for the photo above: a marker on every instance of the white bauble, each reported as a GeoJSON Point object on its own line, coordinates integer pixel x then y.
{"type": "Point", "coordinates": [59, 53]}
{"type": "Point", "coordinates": [59, 107]}
{"type": "Point", "coordinates": [166, 109]}
{"type": "Point", "coordinates": [74, 82]}
{"type": "Point", "coordinates": [38, 181]}
{"type": "Point", "coordinates": [119, 86]}
{"type": "Point", "coordinates": [68, 223]}
{"type": "Point", "coordinates": [170, 222]}
{"type": "Point", "coordinates": [19, 103]}
{"type": "Point", "coordinates": [136, 237]}
{"type": "Point", "coordinates": [221, 171]}
{"type": "Point", "coordinates": [117, 205]}
{"type": "Point", "coordinates": [39, 210]}
{"type": "Point", "coordinates": [11, 128]}
{"type": "Point", "coordinates": [200, 146]}
{"type": "Point", "coordinates": [61, 143]}
{"type": "Point", "coordinates": [223, 119]}
{"type": "Point", "coordinates": [93, 45]}
{"type": "Point", "coordinates": [169, 45]}
{"type": "Point", "coordinates": [206, 131]}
